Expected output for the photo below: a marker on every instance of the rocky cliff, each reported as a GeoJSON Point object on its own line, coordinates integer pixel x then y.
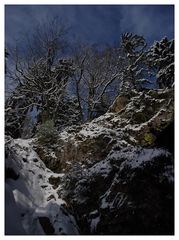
{"type": "Point", "coordinates": [114, 175]}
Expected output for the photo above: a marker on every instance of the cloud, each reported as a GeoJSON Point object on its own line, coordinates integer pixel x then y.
{"type": "Point", "coordinates": [151, 21]}
{"type": "Point", "coordinates": [93, 23]}
{"type": "Point", "coordinates": [89, 23]}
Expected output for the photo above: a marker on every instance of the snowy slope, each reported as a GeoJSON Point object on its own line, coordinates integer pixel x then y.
{"type": "Point", "coordinates": [31, 197]}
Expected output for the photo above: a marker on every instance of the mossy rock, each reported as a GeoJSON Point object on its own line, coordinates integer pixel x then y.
{"type": "Point", "coordinates": [87, 144]}
{"type": "Point", "coordinates": [139, 117]}
{"type": "Point", "coordinates": [149, 138]}
{"type": "Point", "coordinates": [153, 93]}
{"type": "Point", "coordinates": [119, 104]}
{"type": "Point", "coordinates": [98, 147]}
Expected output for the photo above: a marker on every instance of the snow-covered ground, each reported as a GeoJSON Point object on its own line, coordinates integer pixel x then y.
{"type": "Point", "coordinates": [32, 203]}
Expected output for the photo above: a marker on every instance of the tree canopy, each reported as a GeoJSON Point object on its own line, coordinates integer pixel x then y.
{"type": "Point", "coordinates": [71, 90]}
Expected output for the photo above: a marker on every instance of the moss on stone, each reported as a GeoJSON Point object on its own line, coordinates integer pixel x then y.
{"type": "Point", "coordinates": [139, 117]}
{"type": "Point", "coordinates": [119, 104]}
{"type": "Point", "coordinates": [149, 138]}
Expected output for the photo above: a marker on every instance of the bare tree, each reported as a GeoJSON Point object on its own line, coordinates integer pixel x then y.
{"type": "Point", "coordinates": [95, 73]}
{"type": "Point", "coordinates": [41, 76]}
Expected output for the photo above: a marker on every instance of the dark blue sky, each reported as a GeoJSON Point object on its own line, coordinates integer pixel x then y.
{"type": "Point", "coordinates": [93, 23]}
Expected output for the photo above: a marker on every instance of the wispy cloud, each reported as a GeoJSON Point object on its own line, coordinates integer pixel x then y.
{"type": "Point", "coordinates": [96, 24]}
{"type": "Point", "coordinates": [153, 22]}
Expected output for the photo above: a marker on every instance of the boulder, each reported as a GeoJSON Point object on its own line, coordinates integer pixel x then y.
{"type": "Point", "coordinates": [131, 192]}
{"type": "Point", "coordinates": [136, 119]}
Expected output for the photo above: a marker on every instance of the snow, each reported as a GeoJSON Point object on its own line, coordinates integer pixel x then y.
{"type": "Point", "coordinates": [168, 173]}
{"type": "Point", "coordinates": [116, 201]}
{"type": "Point", "coordinates": [97, 128]}
{"type": "Point", "coordinates": [132, 158]}
{"type": "Point", "coordinates": [52, 154]}
{"type": "Point", "coordinates": [135, 127]}
{"type": "Point", "coordinates": [137, 158]}
{"type": "Point", "coordinates": [13, 224]}
{"type": "Point", "coordinates": [102, 168]}
{"type": "Point", "coordinates": [87, 132]}
{"type": "Point", "coordinates": [132, 139]}
{"type": "Point", "coordinates": [119, 200]}
{"type": "Point", "coordinates": [91, 130]}
{"type": "Point", "coordinates": [104, 204]}
{"type": "Point", "coordinates": [64, 135]}
{"type": "Point", "coordinates": [94, 223]}
{"type": "Point", "coordinates": [104, 200]}
{"type": "Point", "coordinates": [31, 195]}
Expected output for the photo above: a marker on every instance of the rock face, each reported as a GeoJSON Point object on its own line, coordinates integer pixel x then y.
{"type": "Point", "coordinates": [136, 119]}
{"type": "Point", "coordinates": [115, 174]}
{"type": "Point", "coordinates": [130, 192]}
{"type": "Point", "coordinates": [129, 187]}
